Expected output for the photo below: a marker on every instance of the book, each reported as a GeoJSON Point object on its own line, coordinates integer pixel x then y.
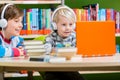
{"type": "Point", "coordinates": [66, 52]}
{"type": "Point", "coordinates": [36, 52]}
{"type": "Point", "coordinates": [33, 42]}
{"type": "Point", "coordinates": [57, 59]}
{"type": "Point", "coordinates": [76, 58]}
{"type": "Point", "coordinates": [92, 11]}
{"type": "Point", "coordinates": [102, 13]}
{"type": "Point", "coordinates": [41, 46]}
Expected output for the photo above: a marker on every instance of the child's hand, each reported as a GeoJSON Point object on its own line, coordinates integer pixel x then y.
{"type": "Point", "coordinates": [54, 52]}
{"type": "Point", "coordinates": [21, 50]}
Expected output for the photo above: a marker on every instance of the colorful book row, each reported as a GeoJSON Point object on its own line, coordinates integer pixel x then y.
{"type": "Point", "coordinates": [93, 13]}
{"type": "Point", "coordinates": [36, 21]}
{"type": "Point", "coordinates": [29, 32]}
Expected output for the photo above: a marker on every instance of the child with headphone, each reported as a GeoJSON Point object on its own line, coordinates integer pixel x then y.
{"type": "Point", "coordinates": [10, 26]}
{"type": "Point", "coordinates": [63, 35]}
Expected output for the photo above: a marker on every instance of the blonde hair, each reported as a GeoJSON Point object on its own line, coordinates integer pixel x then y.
{"type": "Point", "coordinates": [64, 11]}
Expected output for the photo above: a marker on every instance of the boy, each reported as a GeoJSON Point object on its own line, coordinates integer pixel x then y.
{"type": "Point", "coordinates": [63, 35]}
{"type": "Point", "coordinates": [10, 26]}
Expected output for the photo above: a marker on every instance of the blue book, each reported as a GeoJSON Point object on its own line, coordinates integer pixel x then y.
{"type": "Point", "coordinates": [43, 19]}
{"type": "Point", "coordinates": [48, 18]}
{"type": "Point", "coordinates": [40, 18]}
{"type": "Point", "coordinates": [102, 14]}
{"type": "Point", "coordinates": [33, 26]}
{"type": "Point", "coordinates": [24, 20]}
{"type": "Point", "coordinates": [37, 18]}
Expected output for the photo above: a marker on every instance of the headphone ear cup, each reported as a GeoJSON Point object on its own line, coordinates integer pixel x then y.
{"type": "Point", "coordinates": [3, 23]}
{"type": "Point", "coordinates": [74, 26]}
{"type": "Point", "coordinates": [54, 26]}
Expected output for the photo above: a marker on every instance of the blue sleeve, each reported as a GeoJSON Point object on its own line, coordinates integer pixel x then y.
{"type": "Point", "coordinates": [2, 50]}
{"type": "Point", "coordinates": [21, 43]}
{"type": "Point", "coordinates": [5, 50]}
{"type": "Point", "coordinates": [21, 40]}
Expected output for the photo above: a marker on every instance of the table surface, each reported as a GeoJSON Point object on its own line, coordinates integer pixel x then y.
{"type": "Point", "coordinates": [84, 64]}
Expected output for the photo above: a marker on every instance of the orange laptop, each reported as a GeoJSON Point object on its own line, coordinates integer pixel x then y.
{"type": "Point", "coordinates": [96, 38]}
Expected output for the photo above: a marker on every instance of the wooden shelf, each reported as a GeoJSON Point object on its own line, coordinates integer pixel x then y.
{"type": "Point", "coordinates": [15, 74]}
{"type": "Point", "coordinates": [117, 34]}
{"type": "Point", "coordinates": [33, 2]}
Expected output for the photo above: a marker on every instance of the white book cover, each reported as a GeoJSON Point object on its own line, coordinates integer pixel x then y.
{"type": "Point", "coordinates": [57, 59]}
{"type": "Point", "coordinates": [66, 52]}
{"type": "Point", "coordinates": [36, 50]}
{"type": "Point", "coordinates": [41, 46]}
{"type": "Point", "coordinates": [31, 42]}
{"type": "Point", "coordinates": [69, 49]}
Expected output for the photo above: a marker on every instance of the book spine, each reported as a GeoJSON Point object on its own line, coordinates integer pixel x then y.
{"type": "Point", "coordinates": [28, 21]}
{"type": "Point", "coordinates": [24, 20]}
{"type": "Point", "coordinates": [40, 19]}
{"type": "Point", "coordinates": [102, 14]}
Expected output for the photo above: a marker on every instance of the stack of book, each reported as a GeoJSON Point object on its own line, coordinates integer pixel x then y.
{"type": "Point", "coordinates": [34, 47]}
{"type": "Point", "coordinates": [66, 52]}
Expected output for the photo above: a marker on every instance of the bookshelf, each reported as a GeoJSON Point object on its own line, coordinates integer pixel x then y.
{"type": "Point", "coordinates": [104, 16]}
{"type": "Point", "coordinates": [79, 3]}
{"type": "Point", "coordinates": [33, 2]}
{"type": "Point", "coordinates": [112, 4]}
{"type": "Point", "coordinates": [26, 3]}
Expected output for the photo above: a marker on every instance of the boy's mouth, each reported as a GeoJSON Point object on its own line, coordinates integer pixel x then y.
{"type": "Point", "coordinates": [66, 32]}
{"type": "Point", "coordinates": [18, 29]}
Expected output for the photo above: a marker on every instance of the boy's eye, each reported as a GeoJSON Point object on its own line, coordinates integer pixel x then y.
{"type": "Point", "coordinates": [71, 24]}
{"type": "Point", "coordinates": [16, 20]}
{"type": "Point", "coordinates": [64, 24]}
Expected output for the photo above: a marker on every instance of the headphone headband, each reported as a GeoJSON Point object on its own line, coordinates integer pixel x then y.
{"type": "Point", "coordinates": [3, 21]}
{"type": "Point", "coordinates": [63, 7]}
{"type": "Point", "coordinates": [3, 11]}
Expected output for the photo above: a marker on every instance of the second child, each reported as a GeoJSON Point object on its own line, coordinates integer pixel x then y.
{"type": "Point", "coordinates": [63, 35]}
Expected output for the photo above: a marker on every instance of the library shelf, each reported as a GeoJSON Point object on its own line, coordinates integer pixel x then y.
{"type": "Point", "coordinates": [32, 1]}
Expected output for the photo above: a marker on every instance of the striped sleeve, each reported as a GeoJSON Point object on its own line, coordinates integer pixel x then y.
{"type": "Point", "coordinates": [48, 44]}
{"type": "Point", "coordinates": [73, 35]}
{"type": "Point", "coordinates": [5, 50]}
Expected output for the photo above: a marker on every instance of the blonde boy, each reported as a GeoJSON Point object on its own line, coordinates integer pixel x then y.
{"type": "Point", "coordinates": [63, 35]}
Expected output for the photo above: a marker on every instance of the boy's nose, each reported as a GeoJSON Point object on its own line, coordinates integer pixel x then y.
{"type": "Point", "coordinates": [20, 25]}
{"type": "Point", "coordinates": [67, 26]}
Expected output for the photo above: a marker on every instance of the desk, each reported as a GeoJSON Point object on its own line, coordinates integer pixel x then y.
{"type": "Point", "coordinates": [108, 63]}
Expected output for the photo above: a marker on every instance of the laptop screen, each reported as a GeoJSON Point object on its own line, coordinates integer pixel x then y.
{"type": "Point", "coordinates": [95, 38]}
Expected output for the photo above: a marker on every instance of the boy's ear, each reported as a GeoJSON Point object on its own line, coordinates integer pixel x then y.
{"type": "Point", "coordinates": [3, 21]}
{"type": "Point", "coordinates": [54, 26]}
{"type": "Point", "coordinates": [74, 26]}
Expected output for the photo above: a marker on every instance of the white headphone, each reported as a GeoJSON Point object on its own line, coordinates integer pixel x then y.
{"type": "Point", "coordinates": [3, 21]}
{"type": "Point", "coordinates": [53, 14]}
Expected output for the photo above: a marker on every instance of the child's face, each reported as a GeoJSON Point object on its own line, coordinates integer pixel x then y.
{"type": "Point", "coordinates": [64, 26]}
{"type": "Point", "coordinates": [14, 27]}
